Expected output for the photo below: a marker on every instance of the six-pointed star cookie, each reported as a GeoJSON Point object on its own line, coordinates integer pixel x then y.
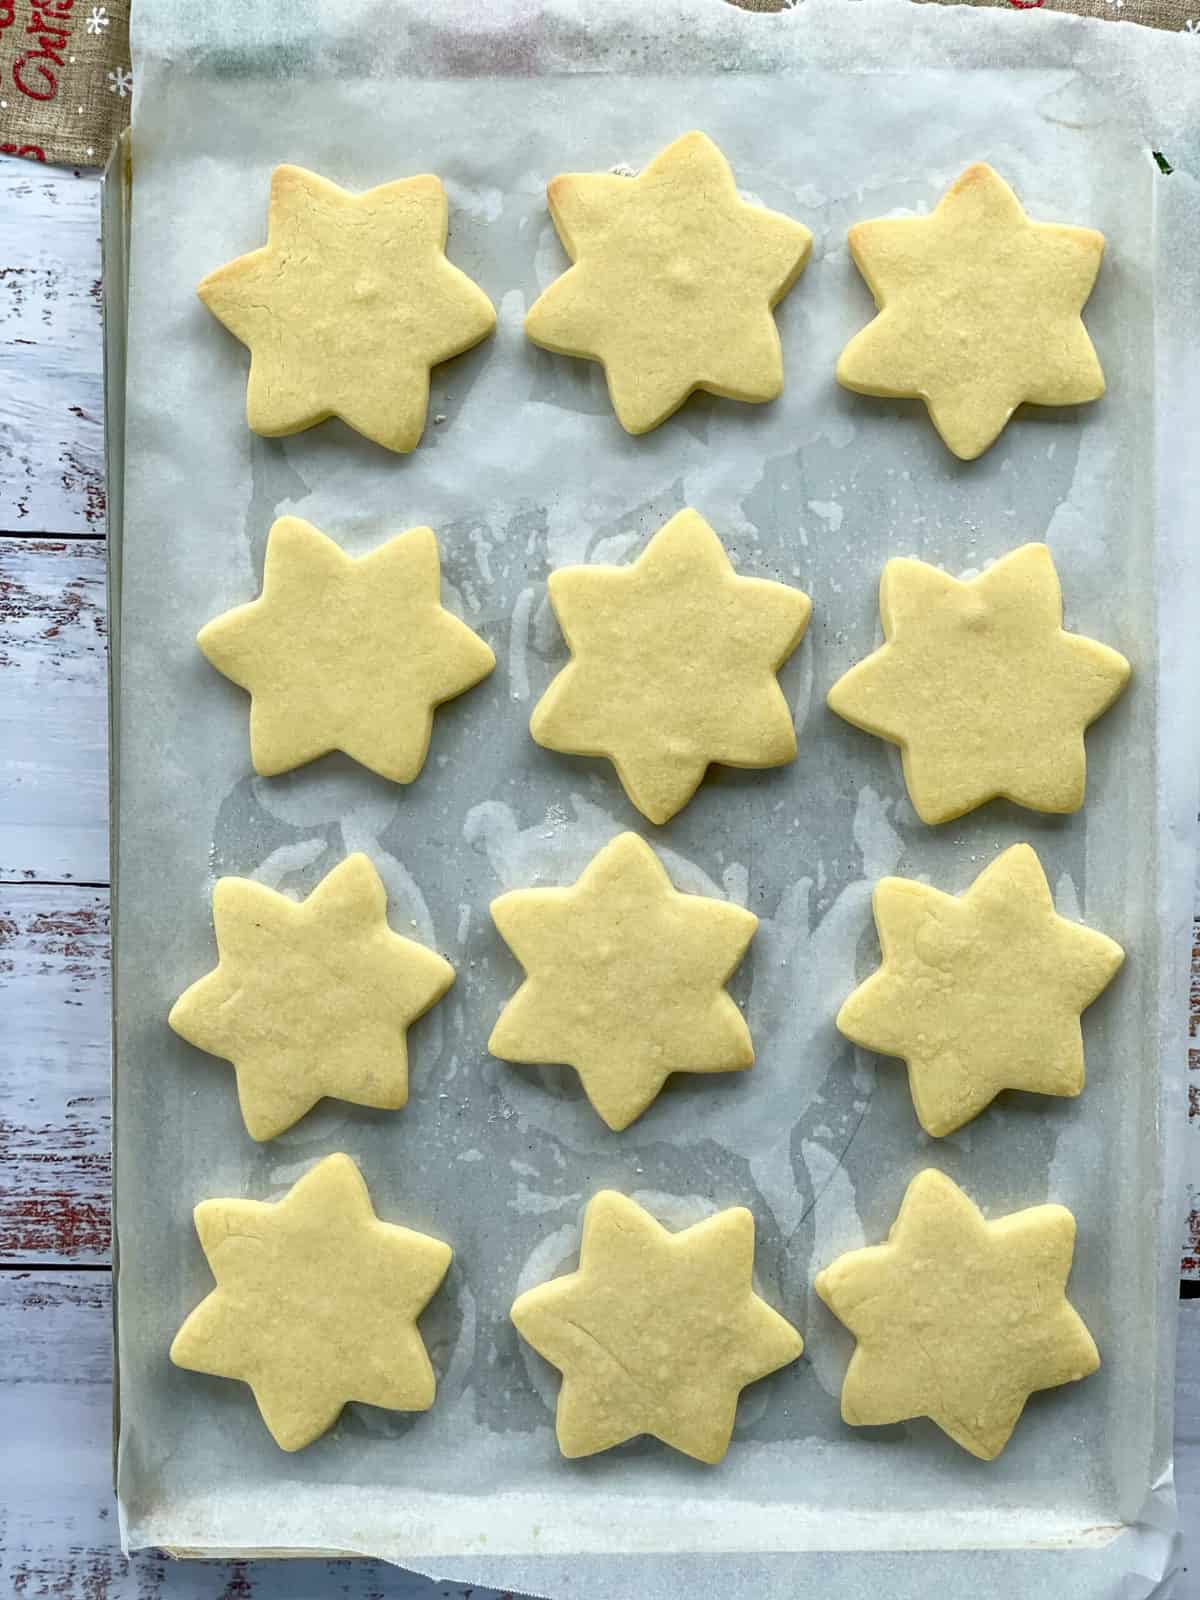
{"type": "Point", "coordinates": [656, 1332]}
{"type": "Point", "coordinates": [673, 283]}
{"type": "Point", "coordinates": [625, 980]}
{"type": "Point", "coordinates": [348, 306]}
{"type": "Point", "coordinates": [958, 1319]}
{"type": "Point", "coordinates": [312, 998]}
{"type": "Point", "coordinates": [980, 993]}
{"type": "Point", "coordinates": [980, 686]}
{"type": "Point", "coordinates": [345, 654]}
{"type": "Point", "coordinates": [316, 1303]}
{"type": "Point", "coordinates": [674, 662]}
{"type": "Point", "coordinates": [979, 310]}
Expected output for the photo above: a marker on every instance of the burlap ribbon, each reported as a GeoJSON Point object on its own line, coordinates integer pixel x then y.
{"type": "Point", "coordinates": [65, 77]}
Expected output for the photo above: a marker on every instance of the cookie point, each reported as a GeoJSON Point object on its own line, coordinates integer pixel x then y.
{"type": "Point", "coordinates": [443, 1252]}
{"type": "Point", "coordinates": [288, 1442]}
{"type": "Point", "coordinates": [616, 1121]}
{"type": "Point", "coordinates": [935, 1127]}
{"type": "Point", "coordinates": [844, 1022]}
{"type": "Point", "coordinates": [262, 1129]}
{"type": "Point", "coordinates": [1022, 854]}
{"type": "Point", "coordinates": [933, 1178]}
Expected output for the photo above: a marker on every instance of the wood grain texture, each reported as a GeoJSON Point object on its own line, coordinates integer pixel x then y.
{"type": "Point", "coordinates": [53, 711]}
{"type": "Point", "coordinates": [54, 1075]}
{"type": "Point", "coordinates": [51, 405]}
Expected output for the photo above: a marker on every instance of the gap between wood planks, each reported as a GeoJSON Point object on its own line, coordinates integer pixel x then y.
{"type": "Point", "coordinates": [55, 1121]}
{"type": "Point", "coordinates": [50, 533]}
{"type": "Point", "coordinates": [52, 883]}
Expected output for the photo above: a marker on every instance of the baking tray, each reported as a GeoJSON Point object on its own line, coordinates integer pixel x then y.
{"type": "Point", "coordinates": [529, 471]}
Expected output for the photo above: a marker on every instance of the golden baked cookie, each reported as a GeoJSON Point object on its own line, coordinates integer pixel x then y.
{"type": "Point", "coordinates": [981, 687]}
{"type": "Point", "coordinates": [346, 654]}
{"type": "Point", "coordinates": [979, 311]}
{"type": "Point", "coordinates": [625, 980]}
{"type": "Point", "coordinates": [673, 282]}
{"type": "Point", "coordinates": [316, 1303]}
{"type": "Point", "coordinates": [958, 1319]}
{"type": "Point", "coordinates": [673, 666]}
{"type": "Point", "coordinates": [348, 306]}
{"type": "Point", "coordinates": [656, 1332]}
{"type": "Point", "coordinates": [310, 998]}
{"type": "Point", "coordinates": [982, 992]}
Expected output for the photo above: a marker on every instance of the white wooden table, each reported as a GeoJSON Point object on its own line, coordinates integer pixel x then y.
{"type": "Point", "coordinates": [57, 1518]}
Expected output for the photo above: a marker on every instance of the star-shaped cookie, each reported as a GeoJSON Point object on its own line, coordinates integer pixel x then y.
{"type": "Point", "coordinates": [979, 993]}
{"type": "Point", "coordinates": [348, 306]}
{"type": "Point", "coordinates": [980, 686]}
{"type": "Point", "coordinates": [674, 662]}
{"type": "Point", "coordinates": [310, 998]}
{"type": "Point", "coordinates": [673, 283]}
{"type": "Point", "coordinates": [656, 1332]}
{"type": "Point", "coordinates": [625, 980]}
{"type": "Point", "coordinates": [316, 1303]}
{"type": "Point", "coordinates": [979, 310]}
{"type": "Point", "coordinates": [958, 1319]}
{"type": "Point", "coordinates": [345, 654]}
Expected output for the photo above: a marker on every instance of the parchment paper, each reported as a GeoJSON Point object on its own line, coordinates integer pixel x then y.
{"type": "Point", "coordinates": [832, 114]}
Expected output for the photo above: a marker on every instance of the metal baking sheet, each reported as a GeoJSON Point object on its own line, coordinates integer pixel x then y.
{"type": "Point", "coordinates": [529, 471]}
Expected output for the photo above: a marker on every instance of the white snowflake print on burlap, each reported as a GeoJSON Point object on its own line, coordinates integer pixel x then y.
{"type": "Point", "coordinates": [120, 82]}
{"type": "Point", "coordinates": [98, 21]}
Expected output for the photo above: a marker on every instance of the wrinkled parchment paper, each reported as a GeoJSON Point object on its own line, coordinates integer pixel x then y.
{"type": "Point", "coordinates": [832, 113]}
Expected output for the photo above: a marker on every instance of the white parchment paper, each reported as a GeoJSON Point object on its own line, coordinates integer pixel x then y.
{"type": "Point", "coordinates": [833, 113]}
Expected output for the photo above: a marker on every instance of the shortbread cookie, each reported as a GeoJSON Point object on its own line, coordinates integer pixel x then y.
{"type": "Point", "coordinates": [348, 306]}
{"type": "Point", "coordinates": [316, 1303]}
{"type": "Point", "coordinates": [979, 993]}
{"type": "Point", "coordinates": [310, 998]}
{"type": "Point", "coordinates": [981, 687]}
{"type": "Point", "coordinates": [656, 1332]}
{"type": "Point", "coordinates": [979, 310]}
{"type": "Point", "coordinates": [958, 1319]}
{"type": "Point", "coordinates": [673, 283]}
{"type": "Point", "coordinates": [345, 654]}
{"type": "Point", "coordinates": [674, 662]}
{"type": "Point", "coordinates": [625, 980]}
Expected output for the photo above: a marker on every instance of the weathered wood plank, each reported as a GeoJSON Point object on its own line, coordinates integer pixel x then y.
{"type": "Point", "coordinates": [54, 1075]}
{"type": "Point", "coordinates": [55, 1419]}
{"type": "Point", "coordinates": [51, 392]}
{"type": "Point", "coordinates": [53, 711]}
